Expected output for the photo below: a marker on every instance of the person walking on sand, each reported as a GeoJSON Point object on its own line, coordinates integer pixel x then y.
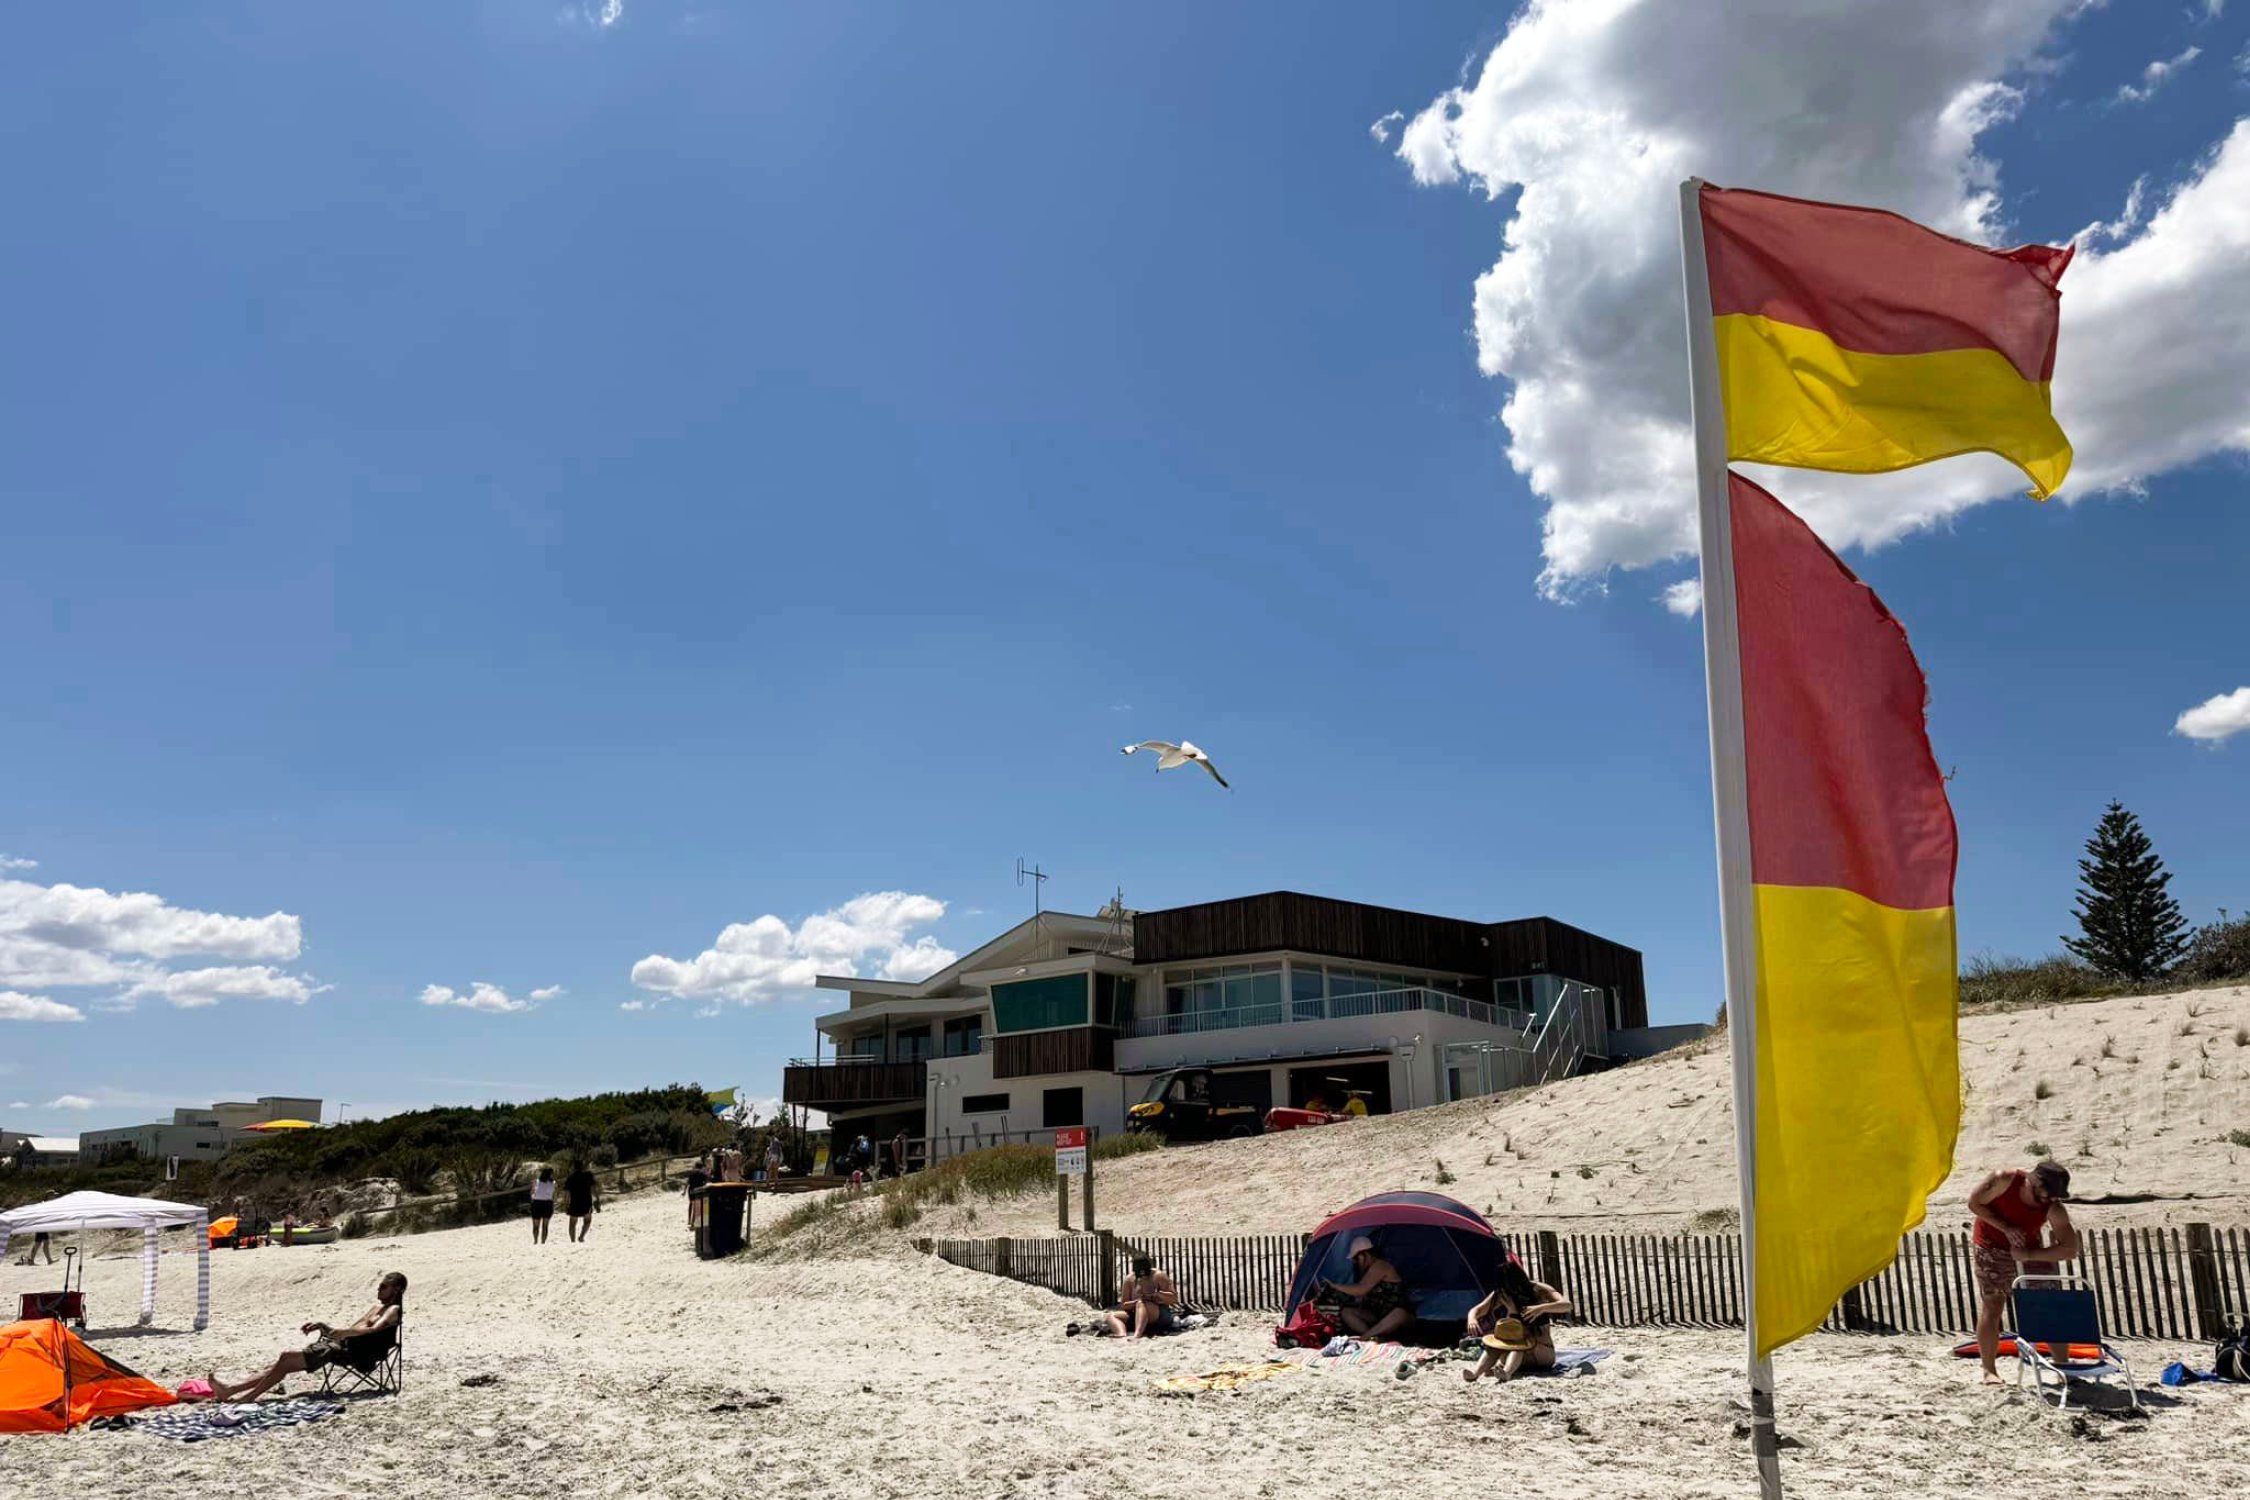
{"type": "Point", "coordinates": [580, 1201]}
{"type": "Point", "coordinates": [2022, 1230]}
{"type": "Point", "coordinates": [898, 1153]}
{"type": "Point", "coordinates": [39, 1246]}
{"type": "Point", "coordinates": [542, 1204]}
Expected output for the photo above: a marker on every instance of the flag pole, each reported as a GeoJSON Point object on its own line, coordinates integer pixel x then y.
{"type": "Point", "coordinates": [1730, 797]}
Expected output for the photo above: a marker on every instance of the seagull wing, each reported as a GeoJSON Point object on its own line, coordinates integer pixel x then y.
{"type": "Point", "coordinates": [1174, 757]}
{"type": "Point", "coordinates": [1162, 747]}
{"type": "Point", "coordinates": [1205, 762]}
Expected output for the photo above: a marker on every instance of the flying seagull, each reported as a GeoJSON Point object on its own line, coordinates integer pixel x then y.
{"type": "Point", "coordinates": [1169, 756]}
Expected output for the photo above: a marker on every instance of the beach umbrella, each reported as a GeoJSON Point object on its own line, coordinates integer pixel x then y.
{"type": "Point", "coordinates": [284, 1125]}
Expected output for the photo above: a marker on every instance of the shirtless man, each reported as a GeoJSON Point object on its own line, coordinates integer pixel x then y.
{"type": "Point", "coordinates": [2015, 1211]}
{"type": "Point", "coordinates": [1149, 1299]}
{"type": "Point", "coordinates": [359, 1346]}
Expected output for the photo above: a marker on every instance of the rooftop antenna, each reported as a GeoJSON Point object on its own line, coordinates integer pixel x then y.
{"type": "Point", "coordinates": [1115, 942]}
{"type": "Point", "coordinates": [1037, 877]}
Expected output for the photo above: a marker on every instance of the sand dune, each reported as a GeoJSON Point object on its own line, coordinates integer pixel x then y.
{"type": "Point", "coordinates": [901, 1376]}
{"type": "Point", "coordinates": [2143, 1094]}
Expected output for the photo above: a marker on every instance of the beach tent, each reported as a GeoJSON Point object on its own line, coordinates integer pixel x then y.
{"type": "Point", "coordinates": [52, 1380]}
{"type": "Point", "coordinates": [1444, 1250]}
{"type": "Point", "coordinates": [81, 1211]}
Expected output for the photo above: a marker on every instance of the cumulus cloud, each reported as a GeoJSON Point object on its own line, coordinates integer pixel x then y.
{"type": "Point", "coordinates": [632, 1005]}
{"type": "Point", "coordinates": [1586, 116]}
{"type": "Point", "coordinates": [131, 943]}
{"type": "Point", "coordinates": [69, 1101]}
{"type": "Point", "coordinates": [17, 1006]}
{"type": "Point", "coordinates": [489, 998]}
{"type": "Point", "coordinates": [1684, 598]}
{"type": "Point", "coordinates": [2155, 76]}
{"type": "Point", "coordinates": [2216, 719]}
{"type": "Point", "coordinates": [16, 862]}
{"type": "Point", "coordinates": [754, 961]}
{"type": "Point", "coordinates": [1382, 128]}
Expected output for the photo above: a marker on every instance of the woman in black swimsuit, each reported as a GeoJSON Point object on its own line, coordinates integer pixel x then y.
{"type": "Point", "coordinates": [1520, 1310]}
{"type": "Point", "coordinates": [1377, 1307]}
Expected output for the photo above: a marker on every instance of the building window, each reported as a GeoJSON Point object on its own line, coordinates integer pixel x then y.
{"type": "Point", "coordinates": [1228, 987]}
{"type": "Point", "coordinates": [1113, 1000]}
{"type": "Point", "coordinates": [965, 1037]}
{"type": "Point", "coordinates": [910, 1044]}
{"type": "Point", "coordinates": [1040, 1004]}
{"type": "Point", "coordinates": [984, 1104]}
{"type": "Point", "coordinates": [1061, 1107]}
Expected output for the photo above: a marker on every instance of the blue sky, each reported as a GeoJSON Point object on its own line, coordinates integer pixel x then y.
{"type": "Point", "coordinates": [519, 494]}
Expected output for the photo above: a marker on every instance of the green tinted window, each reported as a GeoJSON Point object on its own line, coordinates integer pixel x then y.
{"type": "Point", "coordinates": [1037, 1004]}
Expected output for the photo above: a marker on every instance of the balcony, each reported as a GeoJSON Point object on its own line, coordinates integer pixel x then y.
{"type": "Point", "coordinates": [1331, 1008]}
{"type": "Point", "coordinates": [852, 1082]}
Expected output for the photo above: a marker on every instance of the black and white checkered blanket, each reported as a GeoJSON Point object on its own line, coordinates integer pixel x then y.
{"type": "Point", "coordinates": [195, 1423]}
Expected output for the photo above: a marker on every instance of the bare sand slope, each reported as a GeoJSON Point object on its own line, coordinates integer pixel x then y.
{"type": "Point", "coordinates": [902, 1376]}
{"type": "Point", "coordinates": [2142, 1094]}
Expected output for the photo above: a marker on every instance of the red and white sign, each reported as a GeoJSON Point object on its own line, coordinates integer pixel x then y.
{"type": "Point", "coordinates": [1070, 1152]}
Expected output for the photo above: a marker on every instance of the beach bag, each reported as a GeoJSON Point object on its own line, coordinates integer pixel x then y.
{"type": "Point", "coordinates": [2232, 1358]}
{"type": "Point", "coordinates": [1309, 1328]}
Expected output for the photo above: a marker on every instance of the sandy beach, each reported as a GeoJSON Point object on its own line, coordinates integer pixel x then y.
{"type": "Point", "coordinates": [2141, 1097]}
{"type": "Point", "coordinates": [627, 1367]}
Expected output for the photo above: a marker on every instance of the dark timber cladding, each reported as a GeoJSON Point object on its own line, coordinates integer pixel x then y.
{"type": "Point", "coordinates": [1378, 935]}
{"type": "Point", "coordinates": [1026, 1054]}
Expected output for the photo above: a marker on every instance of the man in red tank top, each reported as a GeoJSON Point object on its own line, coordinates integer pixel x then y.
{"type": "Point", "coordinates": [2022, 1229]}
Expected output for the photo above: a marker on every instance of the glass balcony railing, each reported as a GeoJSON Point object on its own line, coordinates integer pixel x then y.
{"type": "Point", "coordinates": [1330, 1008]}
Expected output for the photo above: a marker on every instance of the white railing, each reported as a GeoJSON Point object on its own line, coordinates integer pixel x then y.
{"type": "Point", "coordinates": [1330, 1008]}
{"type": "Point", "coordinates": [1575, 1027]}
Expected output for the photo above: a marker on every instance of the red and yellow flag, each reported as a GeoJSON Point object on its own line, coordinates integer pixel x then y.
{"type": "Point", "coordinates": [1854, 340]}
{"type": "Point", "coordinates": [1852, 854]}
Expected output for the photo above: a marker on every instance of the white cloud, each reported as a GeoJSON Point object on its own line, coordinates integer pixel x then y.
{"type": "Point", "coordinates": [489, 998]}
{"type": "Point", "coordinates": [597, 14]}
{"type": "Point", "coordinates": [754, 961]}
{"type": "Point", "coordinates": [68, 936]}
{"type": "Point", "coordinates": [2216, 719]}
{"type": "Point", "coordinates": [1585, 118]}
{"type": "Point", "coordinates": [68, 1101]}
{"type": "Point", "coordinates": [632, 1005]}
{"type": "Point", "coordinates": [17, 1006]}
{"type": "Point", "coordinates": [17, 862]}
{"type": "Point", "coordinates": [20, 1104]}
{"type": "Point", "coordinates": [191, 989]}
{"type": "Point", "coordinates": [2155, 76]}
{"type": "Point", "coordinates": [1684, 598]}
{"type": "Point", "coordinates": [1382, 128]}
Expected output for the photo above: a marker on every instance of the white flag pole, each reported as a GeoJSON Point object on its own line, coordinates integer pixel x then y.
{"type": "Point", "coordinates": [1730, 796]}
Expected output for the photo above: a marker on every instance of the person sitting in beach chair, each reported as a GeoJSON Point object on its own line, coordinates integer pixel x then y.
{"type": "Point", "coordinates": [364, 1347]}
{"type": "Point", "coordinates": [1149, 1302]}
{"type": "Point", "coordinates": [1513, 1324]}
{"type": "Point", "coordinates": [1375, 1306]}
{"type": "Point", "coordinates": [2059, 1334]}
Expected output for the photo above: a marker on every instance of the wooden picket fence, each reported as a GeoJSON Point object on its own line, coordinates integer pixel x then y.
{"type": "Point", "coordinates": [2151, 1283]}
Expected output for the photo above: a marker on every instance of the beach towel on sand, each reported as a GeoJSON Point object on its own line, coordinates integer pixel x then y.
{"type": "Point", "coordinates": [195, 1424]}
{"type": "Point", "coordinates": [1224, 1378]}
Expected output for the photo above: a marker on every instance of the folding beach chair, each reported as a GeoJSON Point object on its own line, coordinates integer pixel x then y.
{"type": "Point", "coordinates": [2058, 1312]}
{"type": "Point", "coordinates": [386, 1377]}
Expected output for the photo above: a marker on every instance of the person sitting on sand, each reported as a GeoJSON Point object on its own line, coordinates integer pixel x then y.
{"type": "Point", "coordinates": [2014, 1210]}
{"type": "Point", "coordinates": [361, 1346]}
{"type": "Point", "coordinates": [1375, 1305]}
{"type": "Point", "coordinates": [1517, 1314]}
{"type": "Point", "coordinates": [1148, 1299]}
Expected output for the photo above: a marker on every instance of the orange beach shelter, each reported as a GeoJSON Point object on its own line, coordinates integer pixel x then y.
{"type": "Point", "coordinates": [52, 1380]}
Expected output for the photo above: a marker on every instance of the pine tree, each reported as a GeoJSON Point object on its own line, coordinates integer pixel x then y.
{"type": "Point", "coordinates": [2131, 926]}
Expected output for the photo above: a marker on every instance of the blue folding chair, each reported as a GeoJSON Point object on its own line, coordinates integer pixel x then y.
{"type": "Point", "coordinates": [2059, 1311]}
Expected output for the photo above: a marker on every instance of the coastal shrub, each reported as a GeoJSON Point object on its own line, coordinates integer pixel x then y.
{"type": "Point", "coordinates": [604, 1155]}
{"type": "Point", "coordinates": [1112, 1147]}
{"type": "Point", "coordinates": [805, 1214]}
{"type": "Point", "coordinates": [1442, 1177]}
{"type": "Point", "coordinates": [1993, 980]}
{"type": "Point", "coordinates": [353, 1227]}
{"type": "Point", "coordinates": [2238, 1137]}
{"type": "Point", "coordinates": [2043, 1090]}
{"type": "Point", "coordinates": [2038, 1148]}
{"type": "Point", "coordinates": [2219, 953]}
{"type": "Point", "coordinates": [900, 1211]}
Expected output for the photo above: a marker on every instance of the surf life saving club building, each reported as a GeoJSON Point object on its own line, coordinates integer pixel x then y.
{"type": "Point", "coordinates": [1070, 1020]}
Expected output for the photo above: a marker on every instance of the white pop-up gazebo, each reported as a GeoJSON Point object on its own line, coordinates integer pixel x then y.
{"type": "Point", "coordinates": [80, 1211]}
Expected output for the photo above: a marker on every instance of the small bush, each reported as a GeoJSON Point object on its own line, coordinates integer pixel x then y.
{"type": "Point", "coordinates": [2218, 953]}
{"type": "Point", "coordinates": [353, 1227]}
{"type": "Point", "coordinates": [1586, 1172]}
{"type": "Point", "coordinates": [806, 1214]}
{"type": "Point", "coordinates": [1444, 1178]}
{"type": "Point", "coordinates": [2043, 1090]}
{"type": "Point", "coordinates": [2038, 1148]}
{"type": "Point", "coordinates": [900, 1211]}
{"type": "Point", "coordinates": [1112, 1147]}
{"type": "Point", "coordinates": [2242, 1036]}
{"type": "Point", "coordinates": [2238, 1137]}
{"type": "Point", "coordinates": [2109, 1045]}
{"type": "Point", "coordinates": [2187, 1028]}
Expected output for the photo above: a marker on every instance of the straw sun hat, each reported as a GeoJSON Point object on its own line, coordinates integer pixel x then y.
{"type": "Point", "coordinates": [1508, 1333]}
